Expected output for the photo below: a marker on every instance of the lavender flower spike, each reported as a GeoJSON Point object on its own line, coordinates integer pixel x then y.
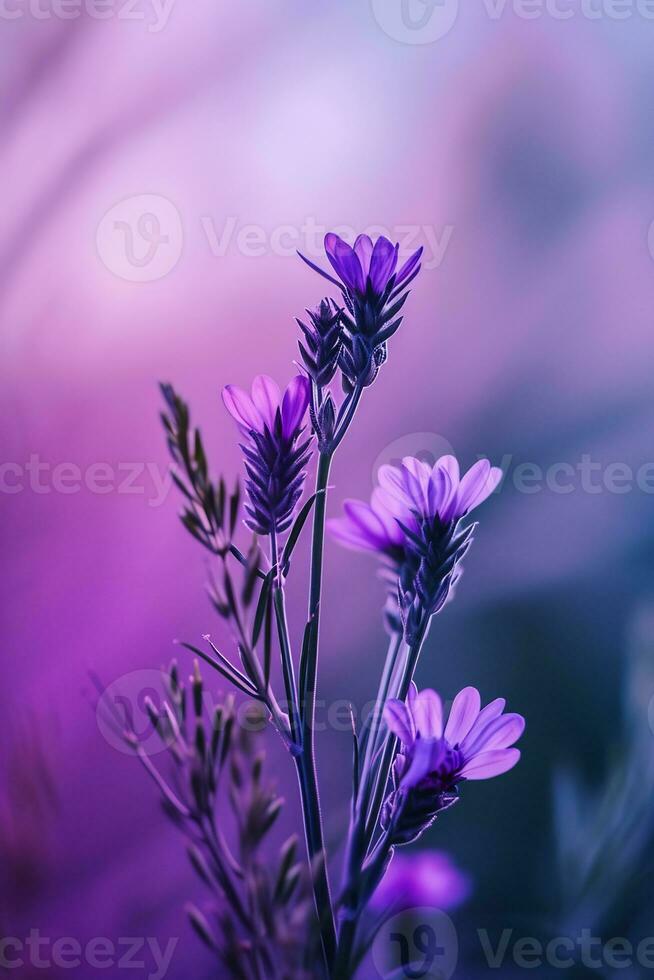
{"type": "Point", "coordinates": [275, 459]}
{"type": "Point", "coordinates": [375, 291]}
{"type": "Point", "coordinates": [413, 523]}
{"type": "Point", "coordinates": [474, 744]}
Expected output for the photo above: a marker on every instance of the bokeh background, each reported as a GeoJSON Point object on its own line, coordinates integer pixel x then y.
{"type": "Point", "coordinates": [160, 166]}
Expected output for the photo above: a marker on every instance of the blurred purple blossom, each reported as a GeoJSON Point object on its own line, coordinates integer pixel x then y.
{"type": "Point", "coordinates": [412, 522]}
{"type": "Point", "coordinates": [408, 494]}
{"type": "Point", "coordinates": [422, 878]}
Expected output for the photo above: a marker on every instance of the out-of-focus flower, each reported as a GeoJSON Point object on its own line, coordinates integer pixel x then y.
{"type": "Point", "coordinates": [275, 459]}
{"type": "Point", "coordinates": [475, 744]}
{"type": "Point", "coordinates": [412, 523]}
{"type": "Point", "coordinates": [374, 291]}
{"type": "Point", "coordinates": [424, 878]}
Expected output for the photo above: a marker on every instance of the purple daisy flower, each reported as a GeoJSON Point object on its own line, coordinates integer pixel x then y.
{"type": "Point", "coordinates": [275, 460]}
{"type": "Point", "coordinates": [375, 291]}
{"type": "Point", "coordinates": [474, 744]}
{"type": "Point", "coordinates": [413, 524]}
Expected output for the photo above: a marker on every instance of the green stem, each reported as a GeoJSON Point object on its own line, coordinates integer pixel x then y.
{"type": "Point", "coordinates": [362, 834]}
{"type": "Point", "coordinates": [306, 760]}
{"type": "Point", "coordinates": [413, 653]}
{"type": "Point", "coordinates": [375, 727]}
{"type": "Point", "coordinates": [279, 605]}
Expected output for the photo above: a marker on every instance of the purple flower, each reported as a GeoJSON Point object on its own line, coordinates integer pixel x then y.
{"type": "Point", "coordinates": [375, 291]}
{"type": "Point", "coordinates": [413, 523]}
{"type": "Point", "coordinates": [366, 266]}
{"type": "Point", "coordinates": [425, 878]}
{"type": "Point", "coordinates": [258, 412]}
{"type": "Point", "coordinates": [275, 461]}
{"type": "Point", "coordinates": [434, 758]}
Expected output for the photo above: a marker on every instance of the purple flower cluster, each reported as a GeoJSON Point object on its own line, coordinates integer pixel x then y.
{"type": "Point", "coordinates": [416, 524]}
{"type": "Point", "coordinates": [474, 744]}
{"type": "Point", "coordinates": [275, 458]}
{"type": "Point", "coordinates": [374, 291]}
{"type": "Point", "coordinates": [413, 524]}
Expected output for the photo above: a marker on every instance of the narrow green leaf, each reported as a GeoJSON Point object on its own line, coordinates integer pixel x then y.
{"type": "Point", "coordinates": [296, 530]}
{"type": "Point", "coordinates": [262, 605]}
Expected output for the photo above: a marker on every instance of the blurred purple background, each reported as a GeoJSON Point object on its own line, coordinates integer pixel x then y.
{"type": "Point", "coordinates": [159, 173]}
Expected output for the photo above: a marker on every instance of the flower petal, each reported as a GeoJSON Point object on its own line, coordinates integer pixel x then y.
{"type": "Point", "coordinates": [439, 491]}
{"type": "Point", "coordinates": [503, 732]}
{"type": "Point", "coordinates": [241, 407]}
{"type": "Point", "coordinates": [350, 535]}
{"type": "Point", "coordinates": [464, 712]}
{"type": "Point", "coordinates": [489, 713]}
{"type": "Point", "coordinates": [345, 261]}
{"type": "Point", "coordinates": [416, 475]}
{"type": "Point", "coordinates": [294, 404]}
{"type": "Point", "coordinates": [365, 518]}
{"type": "Point", "coordinates": [426, 756]}
{"type": "Point", "coordinates": [428, 714]}
{"type": "Point", "coordinates": [391, 479]}
{"type": "Point", "coordinates": [398, 718]}
{"type": "Point", "coordinates": [363, 248]}
{"type": "Point", "coordinates": [478, 484]}
{"type": "Point", "coordinates": [266, 397]}
{"type": "Point", "coordinates": [408, 267]}
{"type": "Point", "coordinates": [386, 515]}
{"type": "Point", "coordinates": [490, 764]}
{"type": "Point", "coordinates": [321, 272]}
{"type": "Point", "coordinates": [382, 263]}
